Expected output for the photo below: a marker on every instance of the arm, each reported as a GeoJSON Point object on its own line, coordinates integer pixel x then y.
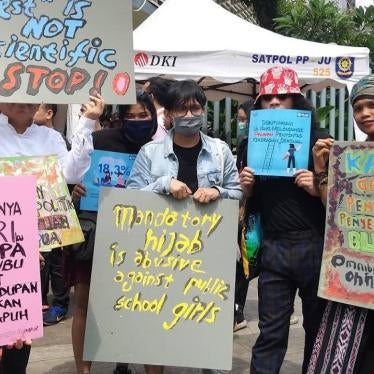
{"type": "Point", "coordinates": [76, 162]}
{"type": "Point", "coordinates": [140, 177]}
{"type": "Point", "coordinates": [230, 188]}
{"type": "Point", "coordinates": [321, 152]}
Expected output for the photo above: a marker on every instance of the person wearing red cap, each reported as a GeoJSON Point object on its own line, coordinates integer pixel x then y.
{"type": "Point", "coordinates": [292, 219]}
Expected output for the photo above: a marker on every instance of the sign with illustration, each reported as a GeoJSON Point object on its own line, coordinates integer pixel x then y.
{"type": "Point", "coordinates": [279, 141]}
{"type": "Point", "coordinates": [347, 273]}
{"type": "Point", "coordinates": [20, 297]}
{"type": "Point", "coordinates": [62, 51]}
{"type": "Point", "coordinates": [108, 169]}
{"type": "Point", "coordinates": [168, 266]}
{"type": "Point", "coordinates": [57, 220]}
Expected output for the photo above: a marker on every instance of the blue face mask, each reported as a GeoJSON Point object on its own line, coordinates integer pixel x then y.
{"type": "Point", "coordinates": [138, 132]}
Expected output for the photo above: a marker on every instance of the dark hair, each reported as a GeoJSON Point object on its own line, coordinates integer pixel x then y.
{"type": "Point", "coordinates": [52, 107]}
{"type": "Point", "coordinates": [159, 87]}
{"type": "Point", "coordinates": [145, 100]}
{"type": "Point", "coordinates": [247, 106]}
{"type": "Point", "coordinates": [182, 92]}
{"type": "Point", "coordinates": [298, 102]}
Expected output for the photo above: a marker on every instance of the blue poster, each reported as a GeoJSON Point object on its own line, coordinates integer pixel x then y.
{"type": "Point", "coordinates": [279, 141]}
{"type": "Point", "coordinates": [108, 169]}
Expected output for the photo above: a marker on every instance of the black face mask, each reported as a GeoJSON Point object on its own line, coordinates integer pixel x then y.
{"type": "Point", "coordinates": [138, 132]}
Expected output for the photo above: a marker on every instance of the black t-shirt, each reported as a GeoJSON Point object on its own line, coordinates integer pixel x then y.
{"type": "Point", "coordinates": [284, 206]}
{"type": "Point", "coordinates": [187, 158]}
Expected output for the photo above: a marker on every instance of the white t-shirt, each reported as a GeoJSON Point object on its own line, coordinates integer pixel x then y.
{"type": "Point", "coordinates": [43, 141]}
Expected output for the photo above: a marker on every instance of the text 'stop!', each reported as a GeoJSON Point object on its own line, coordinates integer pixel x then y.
{"type": "Point", "coordinates": [62, 51]}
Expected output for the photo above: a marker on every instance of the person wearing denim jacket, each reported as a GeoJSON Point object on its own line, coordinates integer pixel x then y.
{"type": "Point", "coordinates": [186, 163]}
{"type": "Point", "coordinates": [156, 165]}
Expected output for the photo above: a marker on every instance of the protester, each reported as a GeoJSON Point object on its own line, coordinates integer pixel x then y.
{"type": "Point", "coordinates": [186, 163]}
{"type": "Point", "coordinates": [243, 121]}
{"type": "Point", "coordinates": [21, 137]}
{"type": "Point", "coordinates": [139, 123]}
{"type": "Point", "coordinates": [52, 269]}
{"type": "Point", "coordinates": [345, 323]}
{"type": "Point", "coordinates": [241, 280]}
{"type": "Point", "coordinates": [292, 219]}
{"type": "Point", "coordinates": [158, 87]}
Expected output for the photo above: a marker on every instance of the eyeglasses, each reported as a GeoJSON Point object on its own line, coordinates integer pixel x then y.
{"type": "Point", "coordinates": [280, 97]}
{"type": "Point", "coordinates": [182, 110]}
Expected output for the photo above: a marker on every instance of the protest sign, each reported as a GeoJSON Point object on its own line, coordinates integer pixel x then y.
{"type": "Point", "coordinates": [162, 287]}
{"type": "Point", "coordinates": [57, 220]}
{"type": "Point", "coordinates": [20, 298]}
{"type": "Point", "coordinates": [279, 141]}
{"type": "Point", "coordinates": [347, 273]}
{"type": "Point", "coordinates": [109, 169]}
{"type": "Point", "coordinates": [60, 51]}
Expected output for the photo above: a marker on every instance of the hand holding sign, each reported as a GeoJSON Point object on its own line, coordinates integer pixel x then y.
{"type": "Point", "coordinates": [321, 152]}
{"type": "Point", "coordinates": [305, 179]}
{"type": "Point", "coordinates": [94, 108]}
{"type": "Point", "coordinates": [179, 190]}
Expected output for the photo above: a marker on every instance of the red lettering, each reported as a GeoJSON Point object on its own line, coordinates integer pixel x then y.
{"type": "Point", "coordinates": [12, 80]}
{"type": "Point", "coordinates": [78, 78]}
{"type": "Point", "coordinates": [37, 74]}
{"type": "Point", "coordinates": [56, 80]}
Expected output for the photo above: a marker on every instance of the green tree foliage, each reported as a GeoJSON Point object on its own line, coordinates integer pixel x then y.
{"type": "Point", "coordinates": [322, 21]}
{"type": "Point", "coordinates": [265, 11]}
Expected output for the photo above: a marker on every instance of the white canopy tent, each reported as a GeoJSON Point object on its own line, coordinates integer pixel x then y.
{"type": "Point", "coordinates": [198, 39]}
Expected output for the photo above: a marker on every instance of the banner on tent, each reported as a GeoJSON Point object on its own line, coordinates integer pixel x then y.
{"type": "Point", "coordinates": [347, 273]}
{"type": "Point", "coordinates": [168, 266]}
{"type": "Point", "coordinates": [214, 65]}
{"type": "Point", "coordinates": [20, 298]}
{"type": "Point", "coordinates": [60, 51]}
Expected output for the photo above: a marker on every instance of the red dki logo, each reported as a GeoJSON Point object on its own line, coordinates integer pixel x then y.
{"type": "Point", "coordinates": [141, 59]}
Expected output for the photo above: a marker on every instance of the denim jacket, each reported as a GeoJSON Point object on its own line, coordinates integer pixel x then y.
{"type": "Point", "coordinates": [156, 164]}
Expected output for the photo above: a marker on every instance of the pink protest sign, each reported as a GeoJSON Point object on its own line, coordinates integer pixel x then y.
{"type": "Point", "coordinates": [20, 299]}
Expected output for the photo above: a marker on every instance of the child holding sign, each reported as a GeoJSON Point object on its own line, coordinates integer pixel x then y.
{"type": "Point", "coordinates": [138, 125]}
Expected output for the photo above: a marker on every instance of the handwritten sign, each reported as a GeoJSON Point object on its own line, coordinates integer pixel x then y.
{"type": "Point", "coordinates": [60, 51]}
{"type": "Point", "coordinates": [109, 169]}
{"type": "Point", "coordinates": [20, 298]}
{"type": "Point", "coordinates": [57, 220]}
{"type": "Point", "coordinates": [278, 142]}
{"type": "Point", "coordinates": [167, 266]}
{"type": "Point", "coordinates": [347, 273]}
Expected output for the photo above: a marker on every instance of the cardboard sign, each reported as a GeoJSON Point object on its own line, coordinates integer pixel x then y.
{"type": "Point", "coordinates": [279, 141]}
{"type": "Point", "coordinates": [20, 297]}
{"type": "Point", "coordinates": [347, 273]}
{"type": "Point", "coordinates": [60, 51]}
{"type": "Point", "coordinates": [108, 169]}
{"type": "Point", "coordinates": [162, 290]}
{"type": "Point", "coordinates": [57, 220]}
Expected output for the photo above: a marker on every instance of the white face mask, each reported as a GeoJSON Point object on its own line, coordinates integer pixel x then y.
{"type": "Point", "coordinates": [188, 126]}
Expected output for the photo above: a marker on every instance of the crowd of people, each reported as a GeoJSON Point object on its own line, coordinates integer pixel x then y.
{"type": "Point", "coordinates": [174, 157]}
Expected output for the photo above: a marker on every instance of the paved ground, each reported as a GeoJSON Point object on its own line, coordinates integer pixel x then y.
{"type": "Point", "coordinates": [54, 354]}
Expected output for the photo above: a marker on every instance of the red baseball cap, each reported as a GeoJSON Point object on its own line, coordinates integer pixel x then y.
{"type": "Point", "coordinates": [279, 81]}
